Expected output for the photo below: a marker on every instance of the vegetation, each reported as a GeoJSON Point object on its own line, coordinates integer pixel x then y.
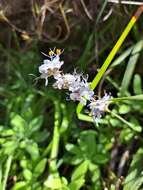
{"type": "Point", "coordinates": [45, 141]}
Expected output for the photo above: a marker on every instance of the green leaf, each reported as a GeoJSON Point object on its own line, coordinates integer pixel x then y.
{"type": "Point", "coordinates": [86, 142]}
{"type": "Point", "coordinates": [7, 132]}
{"type": "Point", "coordinates": [23, 163]}
{"type": "Point", "coordinates": [53, 183]}
{"type": "Point", "coordinates": [113, 187]}
{"type": "Point", "coordinates": [9, 147]}
{"type": "Point", "coordinates": [76, 185]}
{"type": "Point", "coordinates": [130, 67]}
{"type": "Point", "coordinates": [18, 123]}
{"type": "Point", "coordinates": [137, 84]}
{"type": "Point", "coordinates": [134, 179]}
{"type": "Point", "coordinates": [32, 149]}
{"type": "Point", "coordinates": [95, 175]}
{"type": "Point", "coordinates": [119, 60]}
{"type": "Point", "coordinates": [27, 174]}
{"type": "Point", "coordinates": [123, 109]}
{"type": "Point", "coordinates": [75, 160]}
{"type": "Point", "coordinates": [135, 125]}
{"type": "Point", "coordinates": [101, 158]}
{"type": "Point", "coordinates": [41, 136]}
{"type": "Point", "coordinates": [72, 149]}
{"type": "Point", "coordinates": [35, 124]}
{"type": "Point", "coordinates": [19, 186]}
{"type": "Point", "coordinates": [114, 122]}
{"type": "Point", "coordinates": [23, 144]}
{"type": "Point", "coordinates": [80, 171]}
{"type": "Point", "coordinates": [126, 135]}
{"type": "Point", "coordinates": [40, 167]}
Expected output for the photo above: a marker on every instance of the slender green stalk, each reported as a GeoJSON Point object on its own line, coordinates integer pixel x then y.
{"type": "Point", "coordinates": [110, 57]}
{"type": "Point", "coordinates": [119, 117]}
{"type": "Point", "coordinates": [55, 141]}
{"type": "Point", "coordinates": [137, 97]}
{"type": "Point", "coordinates": [124, 121]}
{"type": "Point", "coordinates": [8, 165]}
{"type": "Point", "coordinates": [47, 150]}
{"type": "Point", "coordinates": [90, 119]}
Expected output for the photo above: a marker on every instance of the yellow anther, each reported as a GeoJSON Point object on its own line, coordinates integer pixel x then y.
{"type": "Point", "coordinates": [51, 53]}
{"type": "Point", "coordinates": [58, 51]}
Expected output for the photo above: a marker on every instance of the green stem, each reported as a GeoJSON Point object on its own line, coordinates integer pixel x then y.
{"type": "Point", "coordinates": [137, 97]}
{"type": "Point", "coordinates": [109, 59]}
{"type": "Point", "coordinates": [90, 119]}
{"type": "Point", "coordinates": [47, 150]}
{"type": "Point", "coordinates": [8, 165]}
{"type": "Point", "coordinates": [55, 141]}
{"type": "Point", "coordinates": [121, 119]}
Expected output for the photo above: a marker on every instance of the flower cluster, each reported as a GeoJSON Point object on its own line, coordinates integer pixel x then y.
{"type": "Point", "coordinates": [51, 66]}
{"type": "Point", "coordinates": [77, 84]}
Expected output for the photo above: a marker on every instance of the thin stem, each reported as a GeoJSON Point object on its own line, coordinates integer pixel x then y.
{"type": "Point", "coordinates": [8, 165]}
{"type": "Point", "coordinates": [126, 2]}
{"type": "Point", "coordinates": [123, 120]}
{"type": "Point", "coordinates": [112, 54]}
{"type": "Point", "coordinates": [119, 117]}
{"type": "Point", "coordinates": [47, 150]}
{"type": "Point", "coordinates": [55, 141]}
{"type": "Point", "coordinates": [137, 97]}
{"type": "Point", "coordinates": [101, 11]}
{"type": "Point", "coordinates": [90, 119]}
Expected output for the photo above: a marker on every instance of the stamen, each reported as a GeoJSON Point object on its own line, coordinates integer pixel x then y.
{"type": "Point", "coordinates": [51, 53]}
{"type": "Point", "coordinates": [58, 51]}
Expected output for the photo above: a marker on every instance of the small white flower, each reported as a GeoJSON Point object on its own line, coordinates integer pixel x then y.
{"type": "Point", "coordinates": [54, 63]}
{"type": "Point", "coordinates": [59, 82]}
{"type": "Point", "coordinates": [77, 84]}
{"type": "Point", "coordinates": [82, 95]}
{"type": "Point", "coordinates": [75, 96]}
{"type": "Point", "coordinates": [81, 92]}
{"type": "Point", "coordinates": [65, 81]}
{"type": "Point", "coordinates": [50, 68]}
{"type": "Point", "coordinates": [98, 107]}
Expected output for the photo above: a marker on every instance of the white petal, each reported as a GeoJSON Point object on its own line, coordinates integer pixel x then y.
{"type": "Point", "coordinates": [47, 61]}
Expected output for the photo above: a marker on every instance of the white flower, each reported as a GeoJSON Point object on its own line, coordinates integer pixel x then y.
{"type": "Point", "coordinates": [65, 81]}
{"type": "Point", "coordinates": [59, 82]}
{"type": "Point", "coordinates": [54, 63]}
{"type": "Point", "coordinates": [77, 84]}
{"type": "Point", "coordinates": [50, 68]}
{"type": "Point", "coordinates": [81, 91]}
{"type": "Point", "coordinates": [82, 94]}
{"type": "Point", "coordinates": [98, 107]}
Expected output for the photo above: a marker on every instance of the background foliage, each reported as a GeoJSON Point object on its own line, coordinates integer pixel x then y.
{"type": "Point", "coordinates": [87, 156]}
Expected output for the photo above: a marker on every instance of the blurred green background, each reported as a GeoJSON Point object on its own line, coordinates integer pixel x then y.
{"type": "Point", "coordinates": [33, 117]}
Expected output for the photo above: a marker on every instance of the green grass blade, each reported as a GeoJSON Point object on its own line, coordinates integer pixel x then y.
{"type": "Point", "coordinates": [101, 11]}
{"type": "Point", "coordinates": [130, 67]}
{"type": "Point", "coordinates": [86, 53]}
{"type": "Point", "coordinates": [109, 58]}
{"type": "Point", "coordinates": [122, 57]}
